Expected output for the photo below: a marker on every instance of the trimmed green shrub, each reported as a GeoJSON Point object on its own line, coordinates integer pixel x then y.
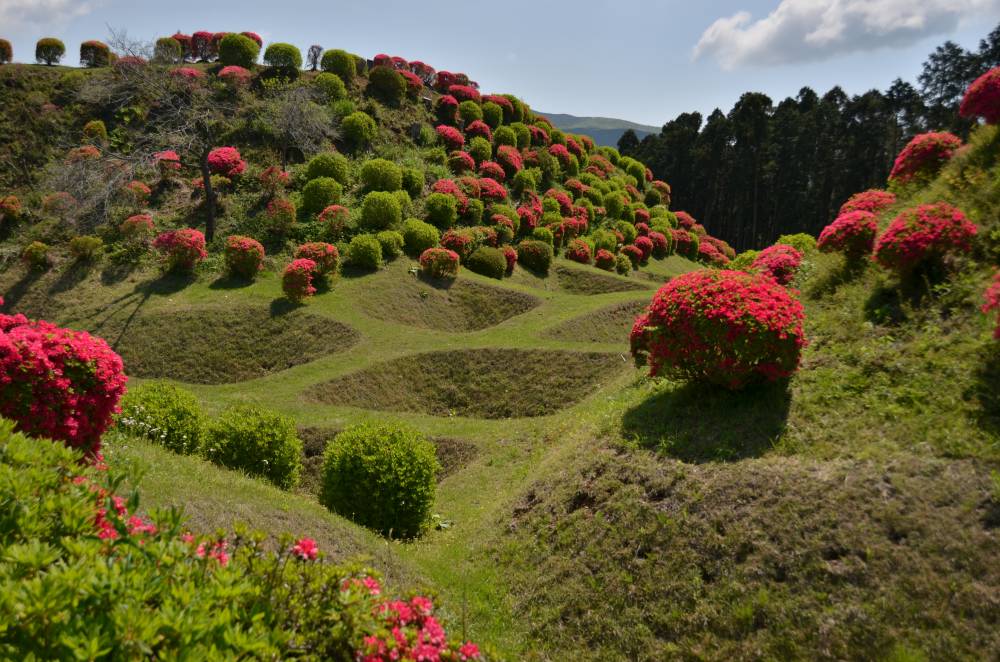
{"type": "Point", "coordinates": [86, 248]}
{"type": "Point", "coordinates": [605, 239]}
{"type": "Point", "coordinates": [535, 255]}
{"type": "Point", "coordinates": [613, 204]}
{"type": "Point", "coordinates": [331, 87]}
{"type": "Point", "coordinates": [329, 164]}
{"type": "Point", "coordinates": [543, 234]}
{"type": "Point", "coordinates": [382, 477]}
{"type": "Point", "coordinates": [381, 175]}
{"type": "Point", "coordinates": [386, 85]}
{"type": "Point", "coordinates": [359, 129]}
{"type": "Point", "coordinates": [391, 243]}
{"type": "Point", "coordinates": [802, 242]}
{"type": "Point", "coordinates": [340, 63]}
{"type": "Point", "coordinates": [526, 180]}
{"type": "Point", "coordinates": [364, 252]}
{"type": "Point", "coordinates": [380, 210]}
{"type": "Point", "coordinates": [94, 131]}
{"type": "Point", "coordinates": [623, 264]}
{"type": "Point", "coordinates": [442, 210]}
{"type": "Point", "coordinates": [49, 51]}
{"type": "Point", "coordinates": [36, 255]}
{"type": "Point", "coordinates": [166, 414]}
{"type": "Point", "coordinates": [320, 193]}
{"type": "Point", "coordinates": [474, 211]}
{"type": "Point", "coordinates": [418, 236]}
{"type": "Point", "coordinates": [167, 51]}
{"type": "Point", "coordinates": [283, 56]}
{"type": "Point", "coordinates": [743, 261]}
{"type": "Point", "coordinates": [260, 442]}
{"type": "Point", "coordinates": [470, 111]}
{"type": "Point", "coordinates": [492, 114]}
{"type": "Point", "coordinates": [628, 231]}
{"type": "Point", "coordinates": [505, 135]}
{"type": "Point", "coordinates": [413, 181]}
{"type": "Point", "coordinates": [404, 201]}
{"type": "Point", "coordinates": [487, 261]}
{"type": "Point", "coordinates": [480, 149]}
{"type": "Point", "coordinates": [523, 134]}
{"type": "Point", "coordinates": [238, 50]}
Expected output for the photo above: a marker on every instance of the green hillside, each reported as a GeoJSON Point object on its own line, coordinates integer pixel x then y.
{"type": "Point", "coordinates": [604, 130]}
{"type": "Point", "coordinates": [583, 510]}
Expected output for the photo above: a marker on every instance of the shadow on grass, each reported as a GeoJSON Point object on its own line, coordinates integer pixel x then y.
{"type": "Point", "coordinates": [229, 282]}
{"type": "Point", "coordinates": [436, 283]}
{"type": "Point", "coordinates": [703, 423]}
{"type": "Point", "coordinates": [847, 272]}
{"type": "Point", "coordinates": [283, 306]}
{"type": "Point", "coordinates": [16, 292]}
{"type": "Point", "coordinates": [71, 277]}
{"type": "Point", "coordinates": [350, 272]}
{"type": "Point", "coordinates": [116, 272]}
{"type": "Point", "coordinates": [987, 390]}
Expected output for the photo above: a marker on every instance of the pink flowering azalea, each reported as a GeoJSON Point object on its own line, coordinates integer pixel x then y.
{"type": "Point", "coordinates": [492, 190]}
{"type": "Point", "coordinates": [510, 255]}
{"type": "Point", "coordinates": [334, 219]}
{"type": "Point", "coordinates": [235, 75]}
{"type": "Point", "coordinates": [982, 99]}
{"type": "Point", "coordinates": [167, 162]}
{"type": "Point", "coordinates": [779, 261]}
{"type": "Point", "coordinates": [465, 93]}
{"type": "Point", "coordinates": [305, 549]}
{"type": "Point", "coordinates": [461, 162]}
{"type": "Point", "coordinates": [139, 191]}
{"type": "Point", "coordinates": [187, 73]}
{"type": "Point", "coordinates": [923, 156]}
{"type": "Point", "coordinates": [451, 137]}
{"type": "Point", "coordinates": [226, 161]}
{"type": "Point", "coordinates": [439, 262]}
{"type": "Point", "coordinates": [578, 251]}
{"type": "Point", "coordinates": [873, 200]}
{"type": "Point", "coordinates": [686, 244]}
{"type": "Point", "coordinates": [634, 254]}
{"type": "Point", "coordinates": [181, 249]}
{"type": "Point", "coordinates": [644, 244]}
{"type": "Point", "coordinates": [244, 256]}
{"type": "Point", "coordinates": [446, 108]}
{"type": "Point", "coordinates": [479, 128]}
{"type": "Point", "coordinates": [273, 179]}
{"type": "Point", "coordinates": [297, 280]}
{"type": "Point", "coordinates": [852, 233]}
{"type": "Point", "coordinates": [561, 153]}
{"type": "Point", "coordinates": [137, 226]}
{"type": "Point", "coordinates": [924, 233]}
{"type": "Point", "coordinates": [708, 253]}
{"type": "Point", "coordinates": [565, 204]}
{"type": "Point", "coordinates": [685, 220]}
{"type": "Point", "coordinates": [326, 256]}
{"type": "Point", "coordinates": [723, 327]}
{"type": "Point", "coordinates": [492, 170]}
{"type": "Point", "coordinates": [992, 302]}
{"type": "Point", "coordinates": [604, 259]}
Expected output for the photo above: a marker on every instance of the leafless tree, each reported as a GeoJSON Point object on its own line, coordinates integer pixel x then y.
{"type": "Point", "coordinates": [313, 56]}
{"type": "Point", "coordinates": [295, 121]}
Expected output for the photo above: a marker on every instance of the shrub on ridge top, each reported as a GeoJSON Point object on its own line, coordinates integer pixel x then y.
{"type": "Point", "coordinates": [382, 477]}
{"type": "Point", "coordinates": [283, 56]}
{"type": "Point", "coordinates": [49, 50]}
{"type": "Point", "coordinates": [924, 236]}
{"type": "Point", "coordinates": [727, 328]}
{"type": "Point", "coordinates": [165, 414]}
{"type": "Point", "coordinates": [238, 50]}
{"type": "Point", "coordinates": [982, 98]}
{"type": "Point", "coordinates": [341, 63]}
{"type": "Point", "coordinates": [387, 85]}
{"type": "Point", "coordinates": [873, 200]}
{"type": "Point", "coordinates": [923, 156]}
{"type": "Point", "coordinates": [260, 442]}
{"type": "Point", "coordinates": [439, 263]}
{"type": "Point", "coordinates": [244, 256]}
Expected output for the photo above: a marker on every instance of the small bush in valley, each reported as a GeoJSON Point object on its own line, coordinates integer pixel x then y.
{"type": "Point", "coordinates": [260, 442]}
{"type": "Point", "coordinates": [166, 414]}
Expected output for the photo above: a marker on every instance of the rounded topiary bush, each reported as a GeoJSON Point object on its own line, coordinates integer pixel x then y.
{"type": "Point", "coordinates": [238, 50]}
{"type": "Point", "coordinates": [382, 477]}
{"type": "Point", "coordinates": [329, 164]}
{"type": "Point", "coordinates": [49, 50]}
{"type": "Point", "coordinates": [94, 53]}
{"type": "Point", "coordinates": [923, 157]}
{"type": "Point", "coordinates": [365, 252]}
{"type": "Point", "coordinates": [166, 414]}
{"type": "Point", "coordinates": [260, 442]}
{"type": "Point", "coordinates": [244, 256]}
{"type": "Point", "coordinates": [418, 236]}
{"type": "Point", "coordinates": [492, 114]}
{"type": "Point", "coordinates": [181, 249]}
{"type": "Point", "coordinates": [982, 98]}
{"type": "Point", "coordinates": [36, 256]}
{"type": "Point", "coordinates": [579, 251]}
{"type": "Point", "coordinates": [872, 200]}
{"type": "Point", "coordinates": [86, 248]}
{"type": "Point", "coordinates": [852, 233]}
{"type": "Point", "coordinates": [604, 259]}
{"type": "Point", "coordinates": [633, 253]}
{"type": "Point", "coordinates": [413, 181]}
{"type": "Point", "coordinates": [330, 86]}
{"type": "Point", "coordinates": [283, 56]}
{"type": "Point", "coordinates": [727, 328]}
{"type": "Point", "coordinates": [535, 255]}
{"type": "Point", "coordinates": [381, 175]}
{"type": "Point", "coordinates": [386, 85]}
{"type": "Point", "coordinates": [341, 63]}
{"type": "Point", "coordinates": [326, 256]}
{"type": "Point", "coordinates": [391, 243]}
{"type": "Point", "coordinates": [780, 261]}
{"type": "Point", "coordinates": [923, 237]}
{"type": "Point", "coordinates": [297, 280]}
{"type": "Point", "coordinates": [442, 210]}
{"type": "Point", "coordinates": [440, 263]}
{"type": "Point", "coordinates": [280, 216]}
{"type": "Point", "coordinates": [359, 129]}
{"type": "Point", "coordinates": [623, 265]}
{"type": "Point", "coordinates": [801, 241]}
{"type": "Point", "coordinates": [58, 383]}
{"type": "Point", "coordinates": [320, 193]}
{"type": "Point", "coordinates": [6, 52]}
{"type": "Point", "coordinates": [487, 261]}
{"type": "Point", "coordinates": [380, 210]}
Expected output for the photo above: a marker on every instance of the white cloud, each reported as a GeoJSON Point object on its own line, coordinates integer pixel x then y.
{"type": "Point", "coordinates": [800, 30]}
{"type": "Point", "coordinates": [18, 13]}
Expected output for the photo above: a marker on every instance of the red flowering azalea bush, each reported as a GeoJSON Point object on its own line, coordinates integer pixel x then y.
{"type": "Point", "coordinates": [709, 254]}
{"type": "Point", "coordinates": [446, 109]}
{"type": "Point", "coordinates": [461, 162]}
{"type": "Point", "coordinates": [644, 244]}
{"type": "Point", "coordinates": [181, 249]}
{"type": "Point", "coordinates": [167, 162]}
{"type": "Point", "coordinates": [83, 153]}
{"type": "Point", "coordinates": [510, 255]}
{"type": "Point", "coordinates": [852, 233]}
{"type": "Point", "coordinates": [57, 383]}
{"type": "Point", "coordinates": [722, 327]}
{"type": "Point", "coordinates": [326, 256]}
{"type": "Point", "coordinates": [492, 190]}
{"type": "Point", "coordinates": [464, 93]}
{"type": "Point", "coordinates": [280, 215]}
{"type": "Point", "coordinates": [10, 209]}
{"type": "Point", "coordinates": [579, 251]}
{"type": "Point", "coordinates": [226, 161]}
{"type": "Point", "coordinates": [462, 242]}
{"type": "Point", "coordinates": [982, 99]}
{"type": "Point", "coordinates": [451, 137]}
{"type": "Point", "coordinates": [273, 179]}
{"type": "Point", "coordinates": [661, 245]}
{"type": "Point", "coordinates": [923, 156]}
{"type": "Point", "coordinates": [138, 191]}
{"type": "Point", "coordinates": [409, 631]}
{"type": "Point", "coordinates": [187, 73]}
{"type": "Point", "coordinates": [779, 261]}
{"type": "Point", "coordinates": [686, 243]}
{"type": "Point", "coordinates": [561, 153]}
{"type": "Point", "coordinates": [439, 263]}
{"type": "Point", "coordinates": [685, 220]}
{"type": "Point", "coordinates": [634, 254]}
{"type": "Point", "coordinates": [604, 259]}
{"type": "Point", "coordinates": [235, 76]}
{"type": "Point", "coordinates": [924, 234]}
{"type": "Point", "coordinates": [297, 280]}
{"type": "Point", "coordinates": [873, 200]}
{"type": "Point", "coordinates": [479, 128]}
{"type": "Point", "coordinates": [334, 220]}
{"type": "Point", "coordinates": [992, 304]}
{"type": "Point", "coordinates": [492, 170]}
{"type": "Point", "coordinates": [244, 256]}
{"type": "Point", "coordinates": [138, 227]}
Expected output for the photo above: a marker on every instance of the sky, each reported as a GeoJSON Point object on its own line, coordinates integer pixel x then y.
{"type": "Point", "coordinates": [642, 60]}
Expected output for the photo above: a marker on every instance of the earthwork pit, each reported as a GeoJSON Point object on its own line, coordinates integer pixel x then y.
{"type": "Point", "coordinates": [459, 306]}
{"type": "Point", "coordinates": [477, 383]}
{"type": "Point", "coordinates": [219, 345]}
{"type": "Point", "coordinates": [592, 281]}
{"type": "Point", "coordinates": [610, 324]}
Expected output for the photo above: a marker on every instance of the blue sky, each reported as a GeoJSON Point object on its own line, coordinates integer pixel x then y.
{"type": "Point", "coordinates": [642, 60]}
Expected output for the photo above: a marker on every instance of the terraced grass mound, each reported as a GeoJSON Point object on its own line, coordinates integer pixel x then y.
{"type": "Point", "coordinates": [477, 383]}
{"type": "Point", "coordinates": [622, 556]}
{"type": "Point", "coordinates": [592, 281]}
{"type": "Point", "coordinates": [460, 306]}
{"type": "Point", "coordinates": [453, 454]}
{"type": "Point", "coordinates": [218, 345]}
{"type": "Point", "coordinates": [610, 324]}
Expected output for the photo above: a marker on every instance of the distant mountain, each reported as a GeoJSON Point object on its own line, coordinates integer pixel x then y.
{"type": "Point", "coordinates": [604, 130]}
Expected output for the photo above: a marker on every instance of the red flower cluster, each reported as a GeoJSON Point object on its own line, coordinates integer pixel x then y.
{"type": "Point", "coordinates": [83, 153]}
{"type": "Point", "coordinates": [449, 187]}
{"type": "Point", "coordinates": [409, 631]}
{"type": "Point", "coordinates": [10, 208]}
{"type": "Point", "coordinates": [439, 263]}
{"type": "Point", "coordinates": [464, 92]}
{"type": "Point", "coordinates": [539, 136]}
{"type": "Point", "coordinates": [873, 200]}
{"type": "Point", "coordinates": [924, 155]}
{"type": "Point", "coordinates": [604, 259]}
{"type": "Point", "coordinates": [660, 187]}
{"type": "Point", "coordinates": [634, 254]}
{"type": "Point", "coordinates": [244, 256]}
{"type": "Point", "coordinates": [181, 249]}
{"type": "Point", "coordinates": [235, 75]}
{"type": "Point", "coordinates": [451, 137]}
{"type": "Point", "coordinates": [306, 549]}
{"type": "Point", "coordinates": [923, 233]}
{"type": "Point", "coordinates": [492, 170]}
{"type": "Point", "coordinates": [57, 383]}
{"type": "Point", "coordinates": [137, 227]}
{"type": "Point", "coordinates": [661, 245]}
{"type": "Point", "coordinates": [461, 162]}
{"type": "Point", "coordinates": [280, 213]}
{"type": "Point", "coordinates": [510, 254]}
{"type": "Point", "coordinates": [565, 204]}
{"type": "Point", "coordinates": [491, 189]}
{"type": "Point", "coordinates": [710, 254]}
{"type": "Point", "coordinates": [644, 244]}
{"type": "Point", "coordinates": [326, 256]}
{"type": "Point", "coordinates": [509, 159]}
{"type": "Point", "coordinates": [273, 179]}
{"type": "Point", "coordinates": [226, 161]}
{"type": "Point", "coordinates": [414, 83]}
{"type": "Point", "coordinates": [578, 251]}
{"type": "Point", "coordinates": [852, 233]}
{"type": "Point", "coordinates": [138, 191]}
{"type": "Point", "coordinates": [446, 108]}
{"type": "Point", "coordinates": [992, 304]}
{"type": "Point", "coordinates": [187, 73]}
{"type": "Point", "coordinates": [503, 102]}
{"type": "Point", "coordinates": [561, 153]}
{"type": "Point", "coordinates": [721, 327]}
{"type": "Point", "coordinates": [461, 242]}
{"type": "Point", "coordinates": [297, 280]}
{"type": "Point", "coordinates": [479, 128]}
{"type": "Point", "coordinates": [982, 99]}
{"type": "Point", "coordinates": [167, 162]}
{"type": "Point", "coordinates": [685, 244]}
{"type": "Point", "coordinates": [334, 218]}
{"type": "Point", "coordinates": [779, 261]}
{"type": "Point", "coordinates": [685, 220]}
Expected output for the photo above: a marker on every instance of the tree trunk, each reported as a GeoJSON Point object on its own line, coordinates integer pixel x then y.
{"type": "Point", "coordinates": [206, 178]}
